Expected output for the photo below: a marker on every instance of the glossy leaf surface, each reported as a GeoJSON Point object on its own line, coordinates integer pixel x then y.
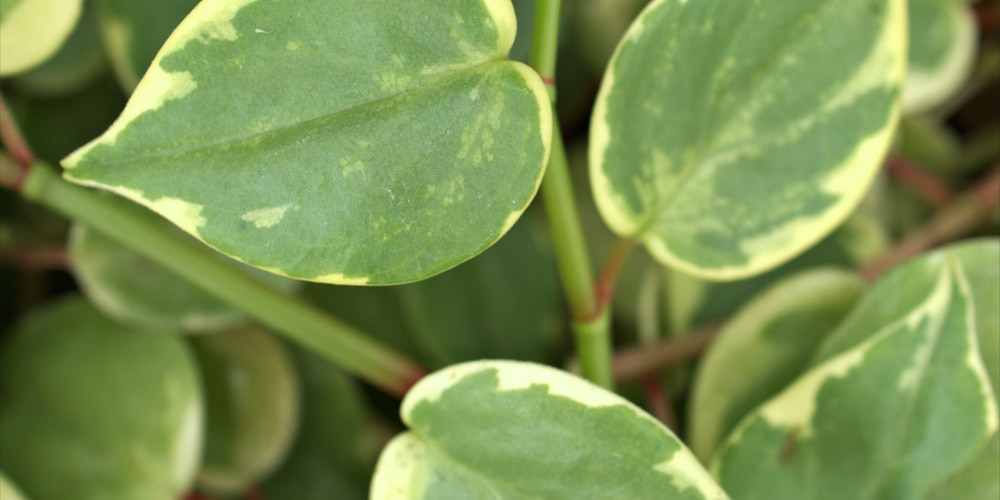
{"type": "Point", "coordinates": [33, 30]}
{"type": "Point", "coordinates": [942, 51]}
{"type": "Point", "coordinates": [95, 410]}
{"type": "Point", "coordinates": [137, 291]}
{"type": "Point", "coordinates": [340, 141]}
{"type": "Point", "coordinates": [504, 429]}
{"type": "Point", "coordinates": [898, 403]}
{"type": "Point", "coordinates": [251, 407]}
{"type": "Point", "coordinates": [730, 136]}
{"type": "Point", "coordinates": [763, 348]}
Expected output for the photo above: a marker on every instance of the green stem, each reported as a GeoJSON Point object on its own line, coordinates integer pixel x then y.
{"type": "Point", "coordinates": [142, 232]}
{"type": "Point", "coordinates": [591, 318]}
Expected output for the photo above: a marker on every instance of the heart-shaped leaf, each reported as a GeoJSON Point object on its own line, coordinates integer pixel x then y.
{"type": "Point", "coordinates": [730, 136]}
{"type": "Point", "coordinates": [251, 407]}
{"type": "Point", "coordinates": [31, 31]}
{"type": "Point", "coordinates": [898, 404]}
{"type": "Point", "coordinates": [91, 409]}
{"type": "Point", "coordinates": [334, 141]}
{"type": "Point", "coordinates": [505, 429]}
{"type": "Point", "coordinates": [942, 50]}
{"type": "Point", "coordinates": [763, 348]}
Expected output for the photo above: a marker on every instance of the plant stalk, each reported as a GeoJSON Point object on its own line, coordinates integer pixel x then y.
{"type": "Point", "coordinates": [300, 322]}
{"type": "Point", "coordinates": [591, 319]}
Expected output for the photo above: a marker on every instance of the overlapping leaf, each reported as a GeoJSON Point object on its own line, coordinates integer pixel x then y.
{"type": "Point", "coordinates": [137, 291]}
{"type": "Point", "coordinates": [33, 30]}
{"type": "Point", "coordinates": [898, 404]}
{"type": "Point", "coordinates": [763, 348]}
{"type": "Point", "coordinates": [251, 407]}
{"type": "Point", "coordinates": [730, 136]}
{"type": "Point", "coordinates": [493, 429]}
{"type": "Point", "coordinates": [942, 49]}
{"type": "Point", "coordinates": [93, 410]}
{"type": "Point", "coordinates": [333, 141]}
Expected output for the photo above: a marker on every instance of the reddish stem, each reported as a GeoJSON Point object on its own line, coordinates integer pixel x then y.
{"type": "Point", "coordinates": [13, 139]}
{"type": "Point", "coordinates": [957, 219]}
{"type": "Point", "coordinates": [658, 401]}
{"type": "Point", "coordinates": [929, 186]}
{"type": "Point", "coordinates": [605, 286]}
{"type": "Point", "coordinates": [635, 362]}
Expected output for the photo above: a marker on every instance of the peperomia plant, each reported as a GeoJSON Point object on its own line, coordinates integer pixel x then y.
{"type": "Point", "coordinates": [303, 204]}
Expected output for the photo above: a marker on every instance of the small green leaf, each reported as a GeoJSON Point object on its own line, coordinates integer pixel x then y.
{"type": "Point", "coordinates": [942, 51]}
{"type": "Point", "coordinates": [134, 30]}
{"type": "Point", "coordinates": [137, 291]}
{"type": "Point", "coordinates": [730, 136]}
{"type": "Point", "coordinates": [898, 403]}
{"type": "Point", "coordinates": [90, 409]}
{"type": "Point", "coordinates": [765, 347]}
{"type": "Point", "coordinates": [333, 141]}
{"type": "Point", "coordinates": [334, 453]}
{"type": "Point", "coordinates": [78, 62]}
{"type": "Point", "coordinates": [504, 429]}
{"type": "Point", "coordinates": [251, 407]}
{"type": "Point", "coordinates": [31, 31]}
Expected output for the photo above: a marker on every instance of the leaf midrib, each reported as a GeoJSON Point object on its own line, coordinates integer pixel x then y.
{"type": "Point", "coordinates": [421, 87]}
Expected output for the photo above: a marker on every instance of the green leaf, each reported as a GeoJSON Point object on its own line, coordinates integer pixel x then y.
{"type": "Point", "coordinates": [333, 141]}
{"type": "Point", "coordinates": [335, 450]}
{"type": "Point", "coordinates": [137, 291]}
{"type": "Point", "coordinates": [730, 136]}
{"type": "Point", "coordinates": [31, 31]}
{"type": "Point", "coordinates": [898, 402]}
{"type": "Point", "coordinates": [90, 409]}
{"type": "Point", "coordinates": [504, 429]}
{"type": "Point", "coordinates": [134, 30]}
{"type": "Point", "coordinates": [763, 348]}
{"type": "Point", "coordinates": [942, 51]}
{"type": "Point", "coordinates": [251, 407]}
{"type": "Point", "coordinates": [78, 62]}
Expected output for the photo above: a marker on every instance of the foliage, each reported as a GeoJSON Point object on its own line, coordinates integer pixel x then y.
{"type": "Point", "coordinates": [780, 171]}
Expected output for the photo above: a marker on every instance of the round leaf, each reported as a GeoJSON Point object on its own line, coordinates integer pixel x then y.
{"type": "Point", "coordinates": [93, 410]}
{"type": "Point", "coordinates": [31, 31]}
{"type": "Point", "coordinates": [504, 429]}
{"type": "Point", "coordinates": [730, 136]}
{"type": "Point", "coordinates": [251, 407]}
{"type": "Point", "coordinates": [333, 141]}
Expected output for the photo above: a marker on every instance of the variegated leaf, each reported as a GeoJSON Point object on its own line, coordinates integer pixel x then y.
{"type": "Point", "coordinates": [333, 141]}
{"type": "Point", "coordinates": [504, 429]}
{"type": "Point", "coordinates": [763, 348]}
{"type": "Point", "coordinates": [730, 136]}
{"type": "Point", "coordinates": [942, 50]}
{"type": "Point", "coordinates": [31, 31]}
{"type": "Point", "coordinates": [898, 403]}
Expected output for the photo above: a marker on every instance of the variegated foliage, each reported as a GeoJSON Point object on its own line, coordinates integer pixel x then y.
{"type": "Point", "coordinates": [504, 429]}
{"type": "Point", "coordinates": [31, 31]}
{"type": "Point", "coordinates": [333, 141]}
{"type": "Point", "coordinates": [901, 401]}
{"type": "Point", "coordinates": [730, 136]}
